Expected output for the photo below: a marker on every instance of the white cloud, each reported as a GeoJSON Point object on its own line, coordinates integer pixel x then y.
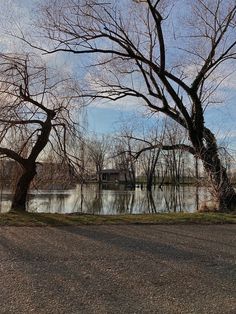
{"type": "Point", "coordinates": [225, 75]}
{"type": "Point", "coordinates": [230, 79]}
{"type": "Point", "coordinates": [124, 104]}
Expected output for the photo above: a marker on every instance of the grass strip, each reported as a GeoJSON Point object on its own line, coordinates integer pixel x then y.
{"type": "Point", "coordinates": [35, 219]}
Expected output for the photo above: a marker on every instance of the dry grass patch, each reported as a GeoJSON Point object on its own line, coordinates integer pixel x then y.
{"type": "Point", "coordinates": [33, 219]}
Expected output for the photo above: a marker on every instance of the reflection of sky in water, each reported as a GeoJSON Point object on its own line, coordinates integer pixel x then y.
{"type": "Point", "coordinates": [112, 201]}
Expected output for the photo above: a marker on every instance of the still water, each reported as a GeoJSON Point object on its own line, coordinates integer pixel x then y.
{"type": "Point", "coordinates": [112, 200]}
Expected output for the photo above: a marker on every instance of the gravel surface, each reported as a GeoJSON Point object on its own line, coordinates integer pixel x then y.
{"type": "Point", "coordinates": [118, 269]}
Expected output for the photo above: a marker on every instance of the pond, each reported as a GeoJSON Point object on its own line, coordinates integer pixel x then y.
{"type": "Point", "coordinates": [112, 200]}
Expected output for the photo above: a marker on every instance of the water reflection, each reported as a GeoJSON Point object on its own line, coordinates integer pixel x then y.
{"type": "Point", "coordinates": [113, 200]}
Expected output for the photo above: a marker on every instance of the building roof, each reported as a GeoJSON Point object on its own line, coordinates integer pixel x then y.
{"type": "Point", "coordinates": [110, 171]}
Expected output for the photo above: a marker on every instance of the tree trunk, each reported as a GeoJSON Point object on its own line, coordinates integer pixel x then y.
{"type": "Point", "coordinates": [22, 187]}
{"type": "Point", "coordinates": [221, 187]}
{"type": "Point", "coordinates": [133, 179]}
{"type": "Point", "coordinates": [149, 182]}
{"type": "Point", "coordinates": [29, 164]}
{"type": "Point", "coordinates": [99, 174]}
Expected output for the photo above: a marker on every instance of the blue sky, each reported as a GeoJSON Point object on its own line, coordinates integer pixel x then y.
{"type": "Point", "coordinates": [105, 119]}
{"type": "Point", "coordinates": [221, 121]}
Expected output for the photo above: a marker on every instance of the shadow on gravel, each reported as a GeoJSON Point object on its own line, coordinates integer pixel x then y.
{"type": "Point", "coordinates": [154, 247]}
{"type": "Point", "coordinates": [201, 239]}
{"type": "Point", "coordinates": [209, 262]}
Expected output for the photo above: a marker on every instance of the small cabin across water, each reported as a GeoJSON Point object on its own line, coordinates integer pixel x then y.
{"type": "Point", "coordinates": [114, 175]}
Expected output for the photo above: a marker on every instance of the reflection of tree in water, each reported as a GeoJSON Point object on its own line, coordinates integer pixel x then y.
{"type": "Point", "coordinates": [1, 197]}
{"type": "Point", "coordinates": [175, 199]}
{"type": "Point", "coordinates": [95, 204]}
{"type": "Point", "coordinates": [97, 201]}
{"type": "Point", "coordinates": [91, 200]}
{"type": "Point", "coordinates": [79, 201]}
{"type": "Point", "coordinates": [47, 203]}
{"type": "Point", "coordinates": [172, 199]}
{"type": "Point", "coordinates": [60, 201]}
{"type": "Point", "coordinates": [123, 203]}
{"type": "Point", "coordinates": [169, 198]}
{"type": "Point", "coordinates": [151, 202]}
{"type": "Point", "coordinates": [197, 198]}
{"type": "Point", "coordinates": [132, 202]}
{"type": "Point", "coordinates": [145, 202]}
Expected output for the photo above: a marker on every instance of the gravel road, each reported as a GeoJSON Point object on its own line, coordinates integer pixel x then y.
{"type": "Point", "coordinates": [118, 269]}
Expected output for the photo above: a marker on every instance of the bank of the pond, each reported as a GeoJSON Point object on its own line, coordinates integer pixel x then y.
{"type": "Point", "coordinates": [33, 219]}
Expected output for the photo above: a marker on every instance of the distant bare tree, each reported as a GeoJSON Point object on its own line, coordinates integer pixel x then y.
{"type": "Point", "coordinates": [149, 158]}
{"type": "Point", "coordinates": [97, 152]}
{"type": "Point", "coordinates": [123, 154]}
{"type": "Point", "coordinates": [174, 159]}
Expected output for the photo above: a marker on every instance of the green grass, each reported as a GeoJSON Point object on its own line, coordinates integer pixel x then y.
{"type": "Point", "coordinates": [33, 219]}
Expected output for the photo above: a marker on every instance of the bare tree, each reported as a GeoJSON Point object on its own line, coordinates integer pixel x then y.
{"type": "Point", "coordinates": [135, 41]}
{"type": "Point", "coordinates": [35, 111]}
{"type": "Point", "coordinates": [123, 154]}
{"type": "Point", "coordinates": [149, 158]}
{"type": "Point", "coordinates": [97, 152]}
{"type": "Point", "coordinates": [174, 159]}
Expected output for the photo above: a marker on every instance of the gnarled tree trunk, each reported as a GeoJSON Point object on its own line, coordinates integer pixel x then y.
{"type": "Point", "coordinates": [22, 187]}
{"type": "Point", "coordinates": [221, 187]}
{"type": "Point", "coordinates": [29, 165]}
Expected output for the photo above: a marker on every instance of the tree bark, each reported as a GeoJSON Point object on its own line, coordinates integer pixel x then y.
{"type": "Point", "coordinates": [221, 187]}
{"type": "Point", "coordinates": [22, 187]}
{"type": "Point", "coordinates": [29, 165]}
